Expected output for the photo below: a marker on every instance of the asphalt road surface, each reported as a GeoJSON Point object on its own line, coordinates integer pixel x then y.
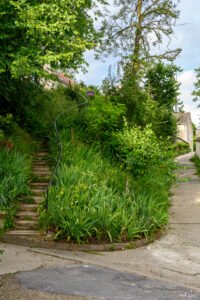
{"type": "Point", "coordinates": [101, 283]}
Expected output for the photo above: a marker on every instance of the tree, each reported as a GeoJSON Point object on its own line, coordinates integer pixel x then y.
{"type": "Point", "coordinates": [196, 92]}
{"type": "Point", "coordinates": [35, 32]}
{"type": "Point", "coordinates": [163, 88]}
{"type": "Point", "coordinates": [111, 83]}
{"type": "Point", "coordinates": [137, 27]}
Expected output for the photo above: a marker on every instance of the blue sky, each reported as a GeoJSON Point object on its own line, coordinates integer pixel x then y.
{"type": "Point", "coordinates": [187, 37]}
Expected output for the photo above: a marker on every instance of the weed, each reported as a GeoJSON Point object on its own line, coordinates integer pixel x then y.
{"type": "Point", "coordinates": [183, 179]}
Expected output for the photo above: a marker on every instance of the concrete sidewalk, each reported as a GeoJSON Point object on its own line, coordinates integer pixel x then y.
{"type": "Point", "coordinates": [174, 258]}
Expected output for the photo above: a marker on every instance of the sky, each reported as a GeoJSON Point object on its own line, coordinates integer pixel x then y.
{"type": "Point", "coordinates": [186, 36]}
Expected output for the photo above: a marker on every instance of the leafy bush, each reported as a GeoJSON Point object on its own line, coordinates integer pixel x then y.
{"type": "Point", "coordinates": [196, 160]}
{"type": "Point", "coordinates": [7, 124]}
{"type": "Point", "coordinates": [181, 148]}
{"type": "Point", "coordinates": [140, 150]}
{"type": "Point", "coordinates": [101, 118]}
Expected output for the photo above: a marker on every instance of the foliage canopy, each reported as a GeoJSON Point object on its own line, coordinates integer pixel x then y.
{"type": "Point", "coordinates": [36, 32]}
{"type": "Point", "coordinates": [137, 27]}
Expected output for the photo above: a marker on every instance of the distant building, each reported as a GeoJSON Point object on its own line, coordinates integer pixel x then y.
{"type": "Point", "coordinates": [185, 128]}
{"type": "Point", "coordinates": [61, 77]}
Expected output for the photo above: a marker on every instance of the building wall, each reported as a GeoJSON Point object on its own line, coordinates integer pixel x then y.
{"type": "Point", "coordinates": [185, 131]}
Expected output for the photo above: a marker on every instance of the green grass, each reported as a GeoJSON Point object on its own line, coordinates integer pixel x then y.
{"type": "Point", "coordinates": [91, 202]}
{"type": "Point", "coordinates": [14, 174]}
{"type": "Point", "coordinates": [196, 160]}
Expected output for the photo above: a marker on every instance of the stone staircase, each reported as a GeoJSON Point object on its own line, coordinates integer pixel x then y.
{"type": "Point", "coordinates": [26, 219]}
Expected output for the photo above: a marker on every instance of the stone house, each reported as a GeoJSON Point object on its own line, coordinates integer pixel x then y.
{"type": "Point", "coordinates": [185, 128]}
{"type": "Point", "coordinates": [62, 78]}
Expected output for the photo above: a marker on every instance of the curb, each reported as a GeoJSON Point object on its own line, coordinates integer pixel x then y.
{"type": "Point", "coordinates": [33, 242]}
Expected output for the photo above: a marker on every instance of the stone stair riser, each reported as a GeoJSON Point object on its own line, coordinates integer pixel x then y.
{"type": "Point", "coordinates": [25, 227]}
{"type": "Point", "coordinates": [28, 208]}
{"type": "Point", "coordinates": [41, 164]}
{"type": "Point", "coordinates": [40, 184]}
{"type": "Point", "coordinates": [43, 179]}
{"type": "Point", "coordinates": [17, 233]}
{"type": "Point", "coordinates": [26, 217]}
{"type": "Point", "coordinates": [38, 173]}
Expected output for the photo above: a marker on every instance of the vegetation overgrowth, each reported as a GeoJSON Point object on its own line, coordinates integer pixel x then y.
{"type": "Point", "coordinates": [196, 160]}
{"type": "Point", "coordinates": [113, 182]}
{"type": "Point", "coordinates": [181, 148]}
{"type": "Point", "coordinates": [96, 199]}
{"type": "Point", "coordinates": [117, 166]}
{"type": "Point", "coordinates": [15, 160]}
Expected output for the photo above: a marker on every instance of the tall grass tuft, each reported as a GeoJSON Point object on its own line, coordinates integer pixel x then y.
{"type": "Point", "coordinates": [14, 174]}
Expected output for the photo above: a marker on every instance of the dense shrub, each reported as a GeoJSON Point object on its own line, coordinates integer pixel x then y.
{"type": "Point", "coordinates": [181, 148]}
{"type": "Point", "coordinates": [140, 150]}
{"type": "Point", "coordinates": [196, 160]}
{"type": "Point", "coordinates": [102, 118]}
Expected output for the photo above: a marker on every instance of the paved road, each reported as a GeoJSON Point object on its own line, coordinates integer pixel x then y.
{"type": "Point", "coordinates": [101, 283]}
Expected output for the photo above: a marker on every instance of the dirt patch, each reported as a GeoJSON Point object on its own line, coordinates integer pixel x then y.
{"type": "Point", "coordinates": [10, 289]}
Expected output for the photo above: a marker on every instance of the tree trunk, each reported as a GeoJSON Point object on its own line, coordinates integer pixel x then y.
{"type": "Point", "coordinates": [138, 35]}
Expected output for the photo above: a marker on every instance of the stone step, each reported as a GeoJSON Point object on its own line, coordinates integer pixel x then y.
{"type": "Point", "coordinates": [41, 176]}
{"type": "Point", "coordinates": [38, 184]}
{"type": "Point", "coordinates": [38, 197]}
{"type": "Point", "coordinates": [40, 157]}
{"type": "Point", "coordinates": [26, 199]}
{"type": "Point", "coordinates": [27, 215]}
{"type": "Point", "coordinates": [41, 154]}
{"type": "Point", "coordinates": [38, 200]}
{"type": "Point", "coordinates": [41, 172]}
{"type": "Point", "coordinates": [41, 179]}
{"type": "Point", "coordinates": [40, 163]}
{"type": "Point", "coordinates": [26, 224]}
{"type": "Point", "coordinates": [28, 207]}
{"type": "Point", "coordinates": [41, 169]}
{"type": "Point", "coordinates": [37, 192]}
{"type": "Point", "coordinates": [22, 233]}
{"type": "Point", "coordinates": [39, 160]}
